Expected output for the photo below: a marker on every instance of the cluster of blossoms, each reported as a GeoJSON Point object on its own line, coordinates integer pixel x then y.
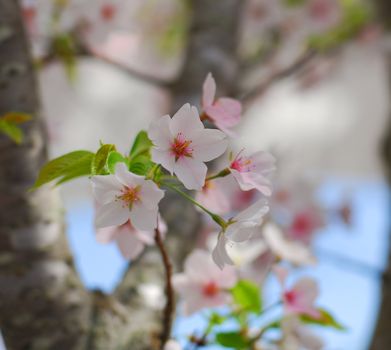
{"type": "Point", "coordinates": [242, 246]}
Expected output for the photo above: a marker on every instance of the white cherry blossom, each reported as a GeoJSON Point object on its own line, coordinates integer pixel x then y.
{"type": "Point", "coordinates": [182, 145]}
{"type": "Point", "coordinates": [125, 196]}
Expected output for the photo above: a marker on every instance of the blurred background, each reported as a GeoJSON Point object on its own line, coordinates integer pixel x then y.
{"type": "Point", "coordinates": [313, 79]}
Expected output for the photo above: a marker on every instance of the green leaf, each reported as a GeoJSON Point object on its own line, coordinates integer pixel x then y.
{"type": "Point", "coordinates": [113, 158]}
{"type": "Point", "coordinates": [232, 340]}
{"type": "Point", "coordinates": [11, 130]}
{"type": "Point", "coordinates": [65, 168]}
{"type": "Point", "coordinates": [98, 165]}
{"type": "Point", "coordinates": [325, 320]}
{"type": "Point", "coordinates": [64, 48]}
{"type": "Point", "coordinates": [141, 165]}
{"type": "Point", "coordinates": [247, 295]}
{"type": "Point", "coordinates": [141, 145]}
{"type": "Point", "coordinates": [216, 319]}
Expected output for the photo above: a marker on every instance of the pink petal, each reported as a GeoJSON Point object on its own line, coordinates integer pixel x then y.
{"type": "Point", "coordinates": [191, 173]}
{"type": "Point", "coordinates": [209, 145]}
{"type": "Point", "coordinates": [241, 231]}
{"type": "Point", "coordinates": [208, 91]}
{"type": "Point", "coordinates": [198, 266]}
{"type": "Point", "coordinates": [111, 214]}
{"type": "Point", "coordinates": [142, 218]}
{"type": "Point", "coordinates": [265, 163]}
{"type": "Point", "coordinates": [106, 234]}
{"type": "Point", "coordinates": [159, 132]}
{"type": "Point", "coordinates": [163, 157]}
{"type": "Point", "coordinates": [187, 122]}
{"type": "Point", "coordinates": [254, 213]}
{"type": "Point", "coordinates": [249, 181]}
{"type": "Point", "coordinates": [129, 245]}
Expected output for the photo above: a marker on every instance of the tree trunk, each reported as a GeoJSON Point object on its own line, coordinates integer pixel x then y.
{"type": "Point", "coordinates": [381, 339]}
{"type": "Point", "coordinates": [43, 304]}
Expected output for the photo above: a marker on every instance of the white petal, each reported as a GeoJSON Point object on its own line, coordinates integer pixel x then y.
{"type": "Point", "coordinates": [106, 234]}
{"type": "Point", "coordinates": [126, 177]}
{"type": "Point", "coordinates": [191, 173]}
{"type": "Point", "coordinates": [164, 158]}
{"type": "Point", "coordinates": [111, 214]}
{"type": "Point", "coordinates": [198, 265]}
{"type": "Point", "coordinates": [208, 91]}
{"type": "Point", "coordinates": [241, 231]}
{"type": "Point", "coordinates": [187, 122]}
{"type": "Point", "coordinates": [254, 213]}
{"type": "Point", "coordinates": [219, 254]}
{"type": "Point", "coordinates": [250, 180]}
{"type": "Point", "coordinates": [159, 132]}
{"type": "Point", "coordinates": [129, 245]}
{"type": "Point", "coordinates": [105, 188]}
{"type": "Point", "coordinates": [150, 194]}
{"type": "Point", "coordinates": [264, 161]}
{"type": "Point", "coordinates": [209, 144]}
{"type": "Point", "coordinates": [142, 218]}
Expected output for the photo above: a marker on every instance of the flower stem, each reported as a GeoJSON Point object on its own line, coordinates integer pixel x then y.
{"type": "Point", "coordinates": [169, 309]}
{"type": "Point", "coordinates": [217, 218]}
{"type": "Point", "coordinates": [222, 173]}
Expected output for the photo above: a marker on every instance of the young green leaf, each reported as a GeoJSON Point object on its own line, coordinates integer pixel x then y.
{"type": "Point", "coordinates": [98, 165]}
{"type": "Point", "coordinates": [11, 130]}
{"type": "Point", "coordinates": [16, 117]}
{"type": "Point", "coordinates": [141, 145]}
{"type": "Point", "coordinates": [141, 165]}
{"type": "Point", "coordinates": [326, 320]}
{"type": "Point", "coordinates": [247, 296]}
{"type": "Point", "coordinates": [232, 340]}
{"type": "Point", "coordinates": [65, 168]}
{"type": "Point", "coordinates": [113, 158]}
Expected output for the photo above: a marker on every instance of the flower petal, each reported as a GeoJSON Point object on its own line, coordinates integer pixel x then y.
{"type": "Point", "coordinates": [250, 180]}
{"type": "Point", "coordinates": [125, 177]}
{"type": "Point", "coordinates": [106, 234]}
{"type": "Point", "coordinates": [163, 157]}
{"type": "Point", "coordinates": [105, 188]}
{"type": "Point", "coordinates": [129, 245]}
{"type": "Point", "coordinates": [208, 91]}
{"type": "Point", "coordinates": [150, 194]}
{"type": "Point", "coordinates": [254, 212]}
{"type": "Point", "coordinates": [209, 144]}
{"type": "Point", "coordinates": [219, 254]}
{"type": "Point", "coordinates": [241, 231]}
{"type": "Point", "coordinates": [142, 218]}
{"type": "Point", "coordinates": [159, 132]}
{"type": "Point", "coordinates": [187, 122]}
{"type": "Point", "coordinates": [191, 173]}
{"type": "Point", "coordinates": [111, 214]}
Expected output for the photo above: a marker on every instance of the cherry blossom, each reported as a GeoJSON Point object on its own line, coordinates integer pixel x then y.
{"type": "Point", "coordinates": [224, 112]}
{"type": "Point", "coordinates": [283, 248]}
{"type": "Point", "coordinates": [130, 241]}
{"type": "Point", "coordinates": [213, 196]}
{"type": "Point", "coordinates": [172, 345]}
{"type": "Point", "coordinates": [203, 284]}
{"type": "Point", "coordinates": [240, 229]}
{"type": "Point", "coordinates": [252, 172]}
{"type": "Point", "coordinates": [300, 299]}
{"type": "Point", "coordinates": [297, 336]}
{"type": "Point", "coordinates": [182, 145]}
{"type": "Point", "coordinates": [125, 196]}
{"type": "Point", "coordinates": [304, 224]}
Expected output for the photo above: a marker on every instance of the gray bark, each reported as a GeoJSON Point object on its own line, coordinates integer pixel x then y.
{"type": "Point", "coordinates": [43, 304]}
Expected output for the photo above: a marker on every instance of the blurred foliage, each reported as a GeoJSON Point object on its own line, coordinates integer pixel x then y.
{"type": "Point", "coordinates": [9, 125]}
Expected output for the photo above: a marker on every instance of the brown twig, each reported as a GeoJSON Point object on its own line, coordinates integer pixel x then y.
{"type": "Point", "coordinates": [285, 72]}
{"type": "Point", "coordinates": [169, 309]}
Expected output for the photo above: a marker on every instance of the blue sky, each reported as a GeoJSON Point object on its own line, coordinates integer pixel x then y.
{"type": "Point", "coordinates": [349, 290]}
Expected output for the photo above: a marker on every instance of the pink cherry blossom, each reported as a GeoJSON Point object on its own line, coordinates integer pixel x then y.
{"type": "Point", "coordinates": [182, 145]}
{"type": "Point", "coordinates": [297, 336]}
{"type": "Point", "coordinates": [130, 241]}
{"type": "Point", "coordinates": [252, 172]}
{"type": "Point", "coordinates": [203, 284]}
{"type": "Point", "coordinates": [224, 112]}
{"type": "Point", "coordinates": [300, 299]}
{"type": "Point", "coordinates": [304, 224]}
{"type": "Point", "coordinates": [241, 228]}
{"type": "Point", "coordinates": [213, 196]}
{"type": "Point", "coordinates": [125, 196]}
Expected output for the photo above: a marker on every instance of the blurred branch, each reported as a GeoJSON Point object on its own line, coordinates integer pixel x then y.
{"type": "Point", "coordinates": [251, 95]}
